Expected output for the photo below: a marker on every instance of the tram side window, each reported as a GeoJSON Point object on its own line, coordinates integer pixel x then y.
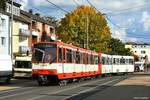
{"type": "Point", "coordinates": [81, 58]}
{"type": "Point", "coordinates": [64, 55]}
{"type": "Point", "coordinates": [107, 60]}
{"type": "Point", "coordinates": [118, 61]}
{"type": "Point", "coordinates": [110, 61]}
{"type": "Point", "coordinates": [96, 60]}
{"type": "Point", "coordinates": [127, 61]}
{"type": "Point", "coordinates": [114, 61]}
{"type": "Point", "coordinates": [69, 56]}
{"type": "Point", "coordinates": [130, 61]}
{"type": "Point", "coordinates": [77, 57]}
{"type": "Point", "coordinates": [121, 61]}
{"type": "Point", "coordinates": [103, 60]}
{"type": "Point", "coordinates": [59, 55]}
{"type": "Point", "coordinates": [124, 61]}
{"type": "Point", "coordinates": [92, 59]}
{"type": "Point", "coordinates": [89, 59]}
{"type": "Point", "coordinates": [85, 58]}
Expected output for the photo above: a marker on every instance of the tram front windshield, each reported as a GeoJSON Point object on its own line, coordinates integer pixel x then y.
{"type": "Point", "coordinates": [45, 53]}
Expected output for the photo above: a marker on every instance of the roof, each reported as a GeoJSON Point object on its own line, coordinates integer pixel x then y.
{"type": "Point", "coordinates": [137, 43]}
{"type": "Point", "coordinates": [14, 3]}
{"type": "Point", "coordinates": [40, 19]}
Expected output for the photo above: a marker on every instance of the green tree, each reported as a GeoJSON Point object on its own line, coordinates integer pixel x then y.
{"type": "Point", "coordinates": [116, 47]}
{"type": "Point", "coordinates": [75, 25]}
{"type": "Point", "coordinates": [3, 4]}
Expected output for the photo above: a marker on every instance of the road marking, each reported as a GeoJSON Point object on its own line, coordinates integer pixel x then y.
{"type": "Point", "coordinates": [17, 94]}
{"type": "Point", "coordinates": [11, 90]}
{"type": "Point", "coordinates": [3, 97]}
{"type": "Point", "coordinates": [2, 88]}
{"type": "Point", "coordinates": [90, 89]}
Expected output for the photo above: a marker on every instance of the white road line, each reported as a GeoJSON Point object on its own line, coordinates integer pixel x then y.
{"type": "Point", "coordinates": [37, 97]}
{"type": "Point", "coordinates": [8, 96]}
{"type": "Point", "coordinates": [3, 97]}
{"type": "Point", "coordinates": [90, 89]}
{"type": "Point", "coordinates": [16, 88]}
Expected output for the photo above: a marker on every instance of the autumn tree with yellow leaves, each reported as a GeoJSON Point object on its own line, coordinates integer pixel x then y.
{"type": "Point", "coordinates": [75, 25]}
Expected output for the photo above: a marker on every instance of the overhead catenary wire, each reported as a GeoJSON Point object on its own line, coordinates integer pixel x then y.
{"type": "Point", "coordinates": [116, 24]}
{"type": "Point", "coordinates": [57, 6]}
{"type": "Point", "coordinates": [105, 15]}
{"type": "Point", "coordinates": [76, 2]}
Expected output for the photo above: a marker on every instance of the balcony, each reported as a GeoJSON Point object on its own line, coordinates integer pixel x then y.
{"type": "Point", "coordinates": [35, 32]}
{"type": "Point", "coordinates": [24, 49]}
{"type": "Point", "coordinates": [24, 32]}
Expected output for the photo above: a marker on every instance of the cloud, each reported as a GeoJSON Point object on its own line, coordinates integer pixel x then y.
{"type": "Point", "coordinates": [131, 39]}
{"type": "Point", "coordinates": [119, 33]}
{"type": "Point", "coordinates": [116, 5]}
{"type": "Point", "coordinates": [57, 2]}
{"type": "Point", "coordinates": [145, 20]}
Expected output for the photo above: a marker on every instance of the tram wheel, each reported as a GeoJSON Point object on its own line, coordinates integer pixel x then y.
{"type": "Point", "coordinates": [63, 82]}
{"type": "Point", "coordinates": [42, 80]}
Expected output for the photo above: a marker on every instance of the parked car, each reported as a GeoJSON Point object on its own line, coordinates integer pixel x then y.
{"type": "Point", "coordinates": [139, 66]}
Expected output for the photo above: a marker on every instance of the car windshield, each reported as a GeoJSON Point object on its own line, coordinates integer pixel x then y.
{"type": "Point", "coordinates": [44, 53]}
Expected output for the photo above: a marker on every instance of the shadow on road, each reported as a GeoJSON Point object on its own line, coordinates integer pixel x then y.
{"type": "Point", "coordinates": [123, 92]}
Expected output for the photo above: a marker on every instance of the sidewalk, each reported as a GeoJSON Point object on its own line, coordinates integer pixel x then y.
{"type": "Point", "coordinates": [142, 73]}
{"type": "Point", "coordinates": [136, 87]}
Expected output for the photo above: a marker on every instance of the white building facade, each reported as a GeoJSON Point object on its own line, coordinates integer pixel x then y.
{"type": "Point", "coordinates": [141, 50]}
{"type": "Point", "coordinates": [4, 35]}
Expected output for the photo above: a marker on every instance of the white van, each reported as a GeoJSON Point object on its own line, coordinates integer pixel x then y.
{"type": "Point", "coordinates": [5, 68]}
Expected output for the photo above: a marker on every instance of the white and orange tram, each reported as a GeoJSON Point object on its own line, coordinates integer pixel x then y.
{"type": "Point", "coordinates": [60, 62]}
{"type": "Point", "coordinates": [57, 61]}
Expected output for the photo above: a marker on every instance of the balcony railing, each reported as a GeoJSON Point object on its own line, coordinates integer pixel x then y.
{"type": "Point", "coordinates": [24, 32]}
{"type": "Point", "coordinates": [24, 49]}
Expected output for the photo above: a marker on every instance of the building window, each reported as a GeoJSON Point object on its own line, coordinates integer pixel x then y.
{"type": "Point", "coordinates": [3, 41]}
{"type": "Point", "coordinates": [143, 52]}
{"type": "Point", "coordinates": [3, 23]}
{"type": "Point", "coordinates": [134, 46]}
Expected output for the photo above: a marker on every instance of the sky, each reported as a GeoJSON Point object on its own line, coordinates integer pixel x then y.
{"type": "Point", "coordinates": [129, 20]}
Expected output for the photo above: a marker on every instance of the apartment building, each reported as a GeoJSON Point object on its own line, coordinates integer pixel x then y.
{"type": "Point", "coordinates": [141, 50]}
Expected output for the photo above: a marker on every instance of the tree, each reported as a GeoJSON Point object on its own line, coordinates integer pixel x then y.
{"type": "Point", "coordinates": [3, 4]}
{"type": "Point", "coordinates": [136, 57]}
{"type": "Point", "coordinates": [84, 19]}
{"type": "Point", "coordinates": [51, 20]}
{"type": "Point", "coordinates": [116, 47]}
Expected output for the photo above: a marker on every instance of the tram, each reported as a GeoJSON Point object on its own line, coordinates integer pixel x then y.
{"type": "Point", "coordinates": [61, 62]}
{"type": "Point", "coordinates": [57, 61]}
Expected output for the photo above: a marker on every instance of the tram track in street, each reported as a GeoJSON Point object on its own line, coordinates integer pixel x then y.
{"type": "Point", "coordinates": [35, 92]}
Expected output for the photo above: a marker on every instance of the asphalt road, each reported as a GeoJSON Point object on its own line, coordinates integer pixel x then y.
{"type": "Point", "coordinates": [108, 88]}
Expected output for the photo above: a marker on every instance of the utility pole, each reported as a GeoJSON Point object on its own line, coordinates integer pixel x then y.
{"type": "Point", "coordinates": [11, 35]}
{"type": "Point", "coordinates": [87, 32]}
